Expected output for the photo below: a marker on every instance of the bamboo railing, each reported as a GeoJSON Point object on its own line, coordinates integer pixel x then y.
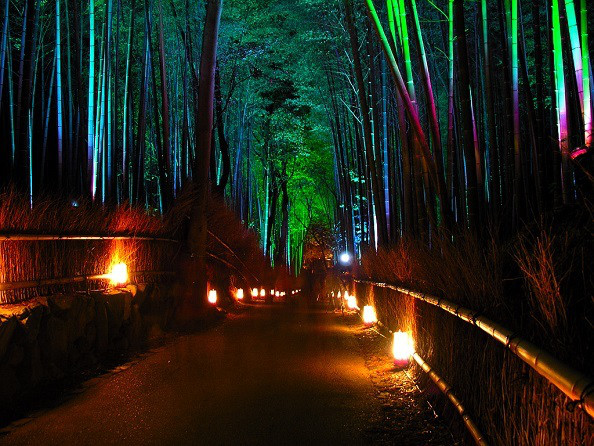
{"type": "Point", "coordinates": [447, 391]}
{"type": "Point", "coordinates": [10, 286]}
{"type": "Point", "coordinates": [574, 384]}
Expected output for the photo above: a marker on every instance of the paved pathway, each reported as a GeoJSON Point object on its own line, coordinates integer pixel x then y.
{"type": "Point", "coordinates": [273, 375]}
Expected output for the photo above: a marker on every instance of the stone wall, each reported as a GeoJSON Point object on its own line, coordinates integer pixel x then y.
{"type": "Point", "coordinates": [49, 338]}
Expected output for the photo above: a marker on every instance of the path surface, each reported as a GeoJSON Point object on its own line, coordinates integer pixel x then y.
{"type": "Point", "coordinates": [273, 375]}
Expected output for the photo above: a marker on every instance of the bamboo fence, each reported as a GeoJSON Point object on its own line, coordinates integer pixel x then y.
{"type": "Point", "coordinates": [574, 384]}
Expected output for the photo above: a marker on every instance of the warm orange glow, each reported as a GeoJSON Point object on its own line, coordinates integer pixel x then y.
{"type": "Point", "coordinates": [118, 274]}
{"type": "Point", "coordinates": [352, 302]}
{"type": "Point", "coordinates": [403, 347]}
{"type": "Point", "coordinates": [369, 315]}
{"type": "Point", "coordinates": [339, 295]}
{"type": "Point", "coordinates": [239, 294]}
{"type": "Point", "coordinates": [212, 296]}
{"type": "Point", "coordinates": [262, 292]}
{"type": "Point", "coordinates": [272, 292]}
{"type": "Point", "coordinates": [254, 292]}
{"type": "Point", "coordinates": [277, 294]}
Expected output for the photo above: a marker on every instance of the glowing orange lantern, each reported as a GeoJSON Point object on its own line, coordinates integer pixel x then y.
{"type": "Point", "coordinates": [262, 292]}
{"type": "Point", "coordinates": [212, 296]}
{"type": "Point", "coordinates": [352, 302]}
{"type": "Point", "coordinates": [369, 315]}
{"type": "Point", "coordinates": [239, 294]}
{"type": "Point", "coordinates": [118, 274]}
{"type": "Point", "coordinates": [403, 348]}
{"type": "Point", "coordinates": [254, 292]}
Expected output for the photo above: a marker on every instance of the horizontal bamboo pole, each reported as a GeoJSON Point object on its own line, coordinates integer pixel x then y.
{"type": "Point", "coordinates": [447, 391]}
{"type": "Point", "coordinates": [10, 286]}
{"type": "Point", "coordinates": [574, 384]}
{"type": "Point", "coordinates": [37, 237]}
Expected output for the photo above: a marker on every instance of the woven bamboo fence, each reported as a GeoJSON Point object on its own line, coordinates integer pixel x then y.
{"type": "Point", "coordinates": [513, 400]}
{"type": "Point", "coordinates": [32, 265]}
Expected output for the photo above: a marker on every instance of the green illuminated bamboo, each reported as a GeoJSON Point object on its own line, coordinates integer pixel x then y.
{"type": "Point", "coordinates": [515, 105]}
{"type": "Point", "coordinates": [560, 100]}
{"type": "Point", "coordinates": [412, 114]}
{"type": "Point", "coordinates": [587, 104]}
{"type": "Point", "coordinates": [576, 52]}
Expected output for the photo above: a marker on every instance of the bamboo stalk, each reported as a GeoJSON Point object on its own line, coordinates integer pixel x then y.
{"type": "Point", "coordinates": [573, 383]}
{"type": "Point", "coordinates": [447, 391]}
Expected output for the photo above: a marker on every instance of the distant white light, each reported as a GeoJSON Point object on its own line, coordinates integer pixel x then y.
{"type": "Point", "coordinates": [345, 258]}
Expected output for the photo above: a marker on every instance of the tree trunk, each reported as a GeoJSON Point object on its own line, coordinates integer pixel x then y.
{"type": "Point", "coordinates": [194, 265]}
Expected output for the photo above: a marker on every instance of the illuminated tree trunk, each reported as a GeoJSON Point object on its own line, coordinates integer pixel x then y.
{"type": "Point", "coordinates": [195, 265]}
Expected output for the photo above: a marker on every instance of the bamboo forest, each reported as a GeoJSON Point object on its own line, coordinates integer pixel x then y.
{"type": "Point", "coordinates": [423, 116]}
{"type": "Point", "coordinates": [429, 147]}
